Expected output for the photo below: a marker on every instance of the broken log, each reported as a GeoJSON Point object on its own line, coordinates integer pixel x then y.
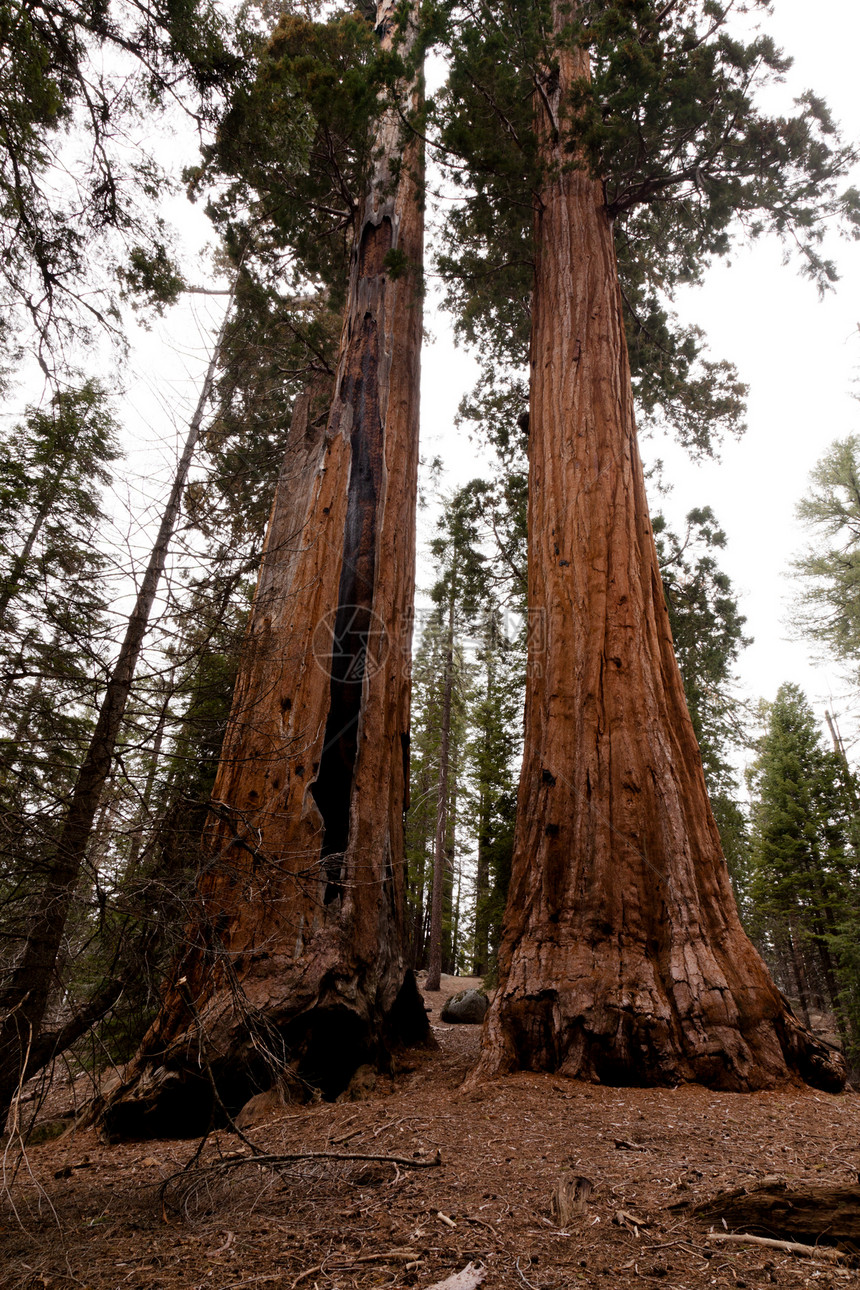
{"type": "Point", "coordinates": [811, 1215]}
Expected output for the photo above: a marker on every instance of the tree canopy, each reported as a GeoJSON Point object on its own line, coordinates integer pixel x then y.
{"type": "Point", "coordinates": [76, 82]}
{"type": "Point", "coordinates": [829, 570]}
{"type": "Point", "coordinates": [670, 123]}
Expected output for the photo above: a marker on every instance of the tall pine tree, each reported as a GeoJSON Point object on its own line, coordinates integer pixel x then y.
{"type": "Point", "coordinates": [801, 864]}
{"type": "Point", "coordinates": [829, 570]}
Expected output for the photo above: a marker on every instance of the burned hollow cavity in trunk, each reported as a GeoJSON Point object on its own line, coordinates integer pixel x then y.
{"type": "Point", "coordinates": [357, 636]}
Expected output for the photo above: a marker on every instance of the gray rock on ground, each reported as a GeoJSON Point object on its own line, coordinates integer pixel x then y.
{"type": "Point", "coordinates": [468, 1008]}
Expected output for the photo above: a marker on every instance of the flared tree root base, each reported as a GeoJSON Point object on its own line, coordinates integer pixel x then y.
{"type": "Point", "coordinates": [626, 1048]}
{"type": "Point", "coordinates": [199, 1079]}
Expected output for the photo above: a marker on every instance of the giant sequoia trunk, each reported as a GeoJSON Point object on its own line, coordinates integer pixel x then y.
{"type": "Point", "coordinates": [297, 958]}
{"type": "Point", "coordinates": [623, 958]}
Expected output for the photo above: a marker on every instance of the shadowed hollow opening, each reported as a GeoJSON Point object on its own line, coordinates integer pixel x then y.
{"type": "Point", "coordinates": [331, 1044]}
{"type": "Point", "coordinates": [181, 1103]}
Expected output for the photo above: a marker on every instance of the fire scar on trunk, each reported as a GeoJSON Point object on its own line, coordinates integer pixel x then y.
{"type": "Point", "coordinates": [354, 621]}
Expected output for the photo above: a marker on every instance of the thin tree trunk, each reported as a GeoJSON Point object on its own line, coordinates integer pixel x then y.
{"type": "Point", "coordinates": [416, 932]}
{"type": "Point", "coordinates": [482, 875]}
{"type": "Point", "coordinates": [20, 731]}
{"type": "Point", "coordinates": [451, 911]}
{"type": "Point", "coordinates": [434, 968]}
{"type": "Point", "coordinates": [10, 588]}
{"type": "Point", "coordinates": [823, 924]}
{"type": "Point", "coordinates": [297, 959]}
{"type": "Point", "coordinates": [799, 974]}
{"type": "Point", "coordinates": [136, 842]}
{"type": "Point", "coordinates": [416, 948]}
{"type": "Point", "coordinates": [480, 959]}
{"type": "Point", "coordinates": [25, 994]}
{"type": "Point", "coordinates": [623, 958]}
{"type": "Point", "coordinates": [455, 921]}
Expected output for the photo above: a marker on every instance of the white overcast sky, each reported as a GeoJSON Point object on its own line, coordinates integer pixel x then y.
{"type": "Point", "coordinates": [799, 355]}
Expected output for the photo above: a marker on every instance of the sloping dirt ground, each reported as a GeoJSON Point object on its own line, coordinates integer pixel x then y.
{"type": "Point", "coordinates": [78, 1212]}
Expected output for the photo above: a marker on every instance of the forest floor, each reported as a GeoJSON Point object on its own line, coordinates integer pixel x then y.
{"type": "Point", "coordinates": [77, 1212]}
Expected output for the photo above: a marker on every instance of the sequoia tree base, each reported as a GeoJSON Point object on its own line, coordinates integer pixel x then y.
{"type": "Point", "coordinates": [642, 1038]}
{"type": "Point", "coordinates": [197, 1069]}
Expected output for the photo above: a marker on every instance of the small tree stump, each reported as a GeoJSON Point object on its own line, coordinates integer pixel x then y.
{"type": "Point", "coordinates": [570, 1198]}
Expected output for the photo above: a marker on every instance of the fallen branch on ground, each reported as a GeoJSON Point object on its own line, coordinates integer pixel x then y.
{"type": "Point", "coordinates": [190, 1177]}
{"type": "Point", "coordinates": [265, 1158]}
{"type": "Point", "coordinates": [340, 1263]}
{"type": "Point", "coordinates": [788, 1247]}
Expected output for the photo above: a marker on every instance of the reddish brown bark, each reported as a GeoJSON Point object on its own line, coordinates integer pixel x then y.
{"type": "Point", "coordinates": [623, 958]}
{"type": "Point", "coordinates": [299, 956]}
